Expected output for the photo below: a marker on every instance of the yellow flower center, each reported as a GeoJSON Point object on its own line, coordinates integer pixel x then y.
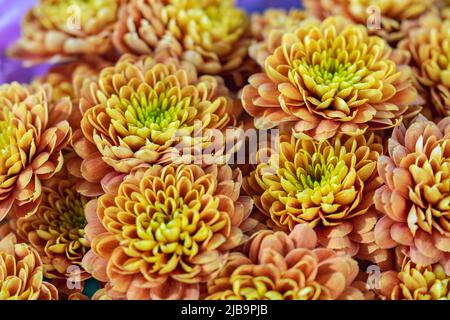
{"type": "Point", "coordinates": [70, 209]}
{"type": "Point", "coordinates": [319, 172]}
{"type": "Point", "coordinates": [321, 178]}
{"type": "Point", "coordinates": [331, 73]}
{"type": "Point", "coordinates": [156, 111]}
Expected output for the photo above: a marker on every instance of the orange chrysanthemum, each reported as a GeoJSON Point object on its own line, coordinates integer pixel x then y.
{"type": "Point", "coordinates": [21, 273]}
{"type": "Point", "coordinates": [161, 232]}
{"type": "Point", "coordinates": [416, 192]}
{"type": "Point", "coordinates": [277, 266]}
{"type": "Point", "coordinates": [415, 282]}
{"type": "Point", "coordinates": [211, 34]}
{"type": "Point", "coordinates": [389, 19]}
{"type": "Point", "coordinates": [328, 78]}
{"type": "Point", "coordinates": [429, 46]}
{"type": "Point", "coordinates": [328, 185]}
{"type": "Point", "coordinates": [32, 134]}
{"type": "Point", "coordinates": [142, 112]}
{"type": "Point", "coordinates": [57, 232]}
{"type": "Point", "coordinates": [61, 30]}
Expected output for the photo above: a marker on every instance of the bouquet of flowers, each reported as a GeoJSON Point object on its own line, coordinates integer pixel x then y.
{"type": "Point", "coordinates": [190, 149]}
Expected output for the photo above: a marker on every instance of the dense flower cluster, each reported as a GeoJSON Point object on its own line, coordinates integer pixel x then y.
{"type": "Point", "coordinates": [160, 232]}
{"type": "Point", "coordinates": [183, 149]}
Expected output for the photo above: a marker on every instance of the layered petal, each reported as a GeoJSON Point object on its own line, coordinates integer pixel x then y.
{"type": "Point", "coordinates": [167, 230]}
{"type": "Point", "coordinates": [331, 77]}
{"type": "Point", "coordinates": [328, 185]}
{"type": "Point", "coordinates": [57, 31]}
{"type": "Point", "coordinates": [415, 194]}
{"type": "Point", "coordinates": [33, 133]}
{"type": "Point", "coordinates": [21, 273]}
{"type": "Point", "coordinates": [278, 266]}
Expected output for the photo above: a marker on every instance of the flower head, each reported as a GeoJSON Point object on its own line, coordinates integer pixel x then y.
{"type": "Point", "coordinates": [416, 192]}
{"type": "Point", "coordinates": [56, 231]}
{"type": "Point", "coordinates": [415, 282]}
{"type": "Point", "coordinates": [211, 34]}
{"type": "Point", "coordinates": [158, 233]}
{"type": "Point", "coordinates": [429, 46]}
{"type": "Point", "coordinates": [389, 19]}
{"type": "Point", "coordinates": [21, 273]}
{"type": "Point", "coordinates": [278, 266]}
{"type": "Point", "coordinates": [61, 30]}
{"type": "Point", "coordinates": [140, 111]}
{"type": "Point", "coordinates": [328, 185]}
{"type": "Point", "coordinates": [32, 134]}
{"type": "Point", "coordinates": [328, 78]}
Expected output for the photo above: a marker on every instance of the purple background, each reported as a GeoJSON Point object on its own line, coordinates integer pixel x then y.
{"type": "Point", "coordinates": [11, 16]}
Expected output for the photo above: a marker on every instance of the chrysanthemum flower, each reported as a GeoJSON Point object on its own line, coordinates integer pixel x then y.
{"type": "Point", "coordinates": [416, 192]}
{"type": "Point", "coordinates": [328, 185]}
{"type": "Point", "coordinates": [278, 266]}
{"type": "Point", "coordinates": [100, 294]}
{"type": "Point", "coordinates": [61, 30]}
{"type": "Point", "coordinates": [161, 232]}
{"type": "Point", "coordinates": [271, 24]}
{"type": "Point", "coordinates": [141, 111]}
{"type": "Point", "coordinates": [415, 282]}
{"type": "Point", "coordinates": [21, 273]}
{"type": "Point", "coordinates": [328, 78]}
{"type": "Point", "coordinates": [389, 19]}
{"type": "Point", "coordinates": [32, 134]}
{"type": "Point", "coordinates": [57, 232]}
{"type": "Point", "coordinates": [429, 45]}
{"type": "Point", "coordinates": [211, 34]}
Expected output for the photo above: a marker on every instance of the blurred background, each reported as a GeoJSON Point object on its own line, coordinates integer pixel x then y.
{"type": "Point", "coordinates": [13, 11]}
